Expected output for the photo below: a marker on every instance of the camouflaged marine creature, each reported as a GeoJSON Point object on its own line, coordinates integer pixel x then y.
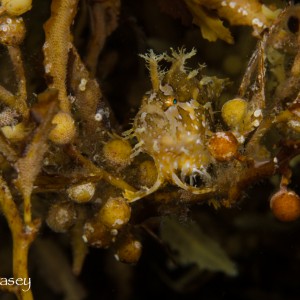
{"type": "Point", "coordinates": [174, 123]}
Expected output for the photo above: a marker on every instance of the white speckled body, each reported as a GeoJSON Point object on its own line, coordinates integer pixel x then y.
{"type": "Point", "coordinates": [174, 137]}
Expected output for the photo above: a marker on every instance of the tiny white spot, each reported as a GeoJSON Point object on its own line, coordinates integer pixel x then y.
{"type": "Point", "coordinates": [46, 161]}
{"type": "Point", "coordinates": [257, 22]}
{"type": "Point", "coordinates": [137, 245]}
{"type": "Point", "coordinates": [114, 232]}
{"type": "Point", "coordinates": [296, 112]}
{"type": "Point", "coordinates": [140, 130]}
{"type": "Point", "coordinates": [82, 84]}
{"type": "Point", "coordinates": [118, 222]}
{"type": "Point", "coordinates": [84, 238]}
{"type": "Point", "coordinates": [184, 150]}
{"type": "Point", "coordinates": [98, 117]}
{"type": "Point", "coordinates": [175, 165]}
{"type": "Point", "coordinates": [98, 201]}
{"type": "Point", "coordinates": [294, 124]}
{"type": "Point", "coordinates": [143, 116]}
{"type": "Point", "coordinates": [97, 244]}
{"type": "Point", "coordinates": [152, 97]}
{"type": "Point", "coordinates": [89, 227]}
{"type": "Point", "coordinates": [71, 98]}
{"type": "Point", "coordinates": [275, 160]}
{"type": "Point", "coordinates": [241, 139]}
{"type": "Point", "coordinates": [257, 113]}
{"type": "Point", "coordinates": [222, 134]}
{"type": "Point", "coordinates": [255, 123]}
{"type": "Point", "coordinates": [166, 89]}
{"type": "Point", "coordinates": [4, 28]}
{"type": "Point", "coordinates": [155, 146]}
{"type": "Point", "coordinates": [232, 4]}
{"type": "Point", "coordinates": [48, 68]}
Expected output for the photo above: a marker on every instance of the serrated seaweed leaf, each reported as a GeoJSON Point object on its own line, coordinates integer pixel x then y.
{"type": "Point", "coordinates": [212, 27]}
{"type": "Point", "coordinates": [30, 164]}
{"type": "Point", "coordinates": [192, 246]}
